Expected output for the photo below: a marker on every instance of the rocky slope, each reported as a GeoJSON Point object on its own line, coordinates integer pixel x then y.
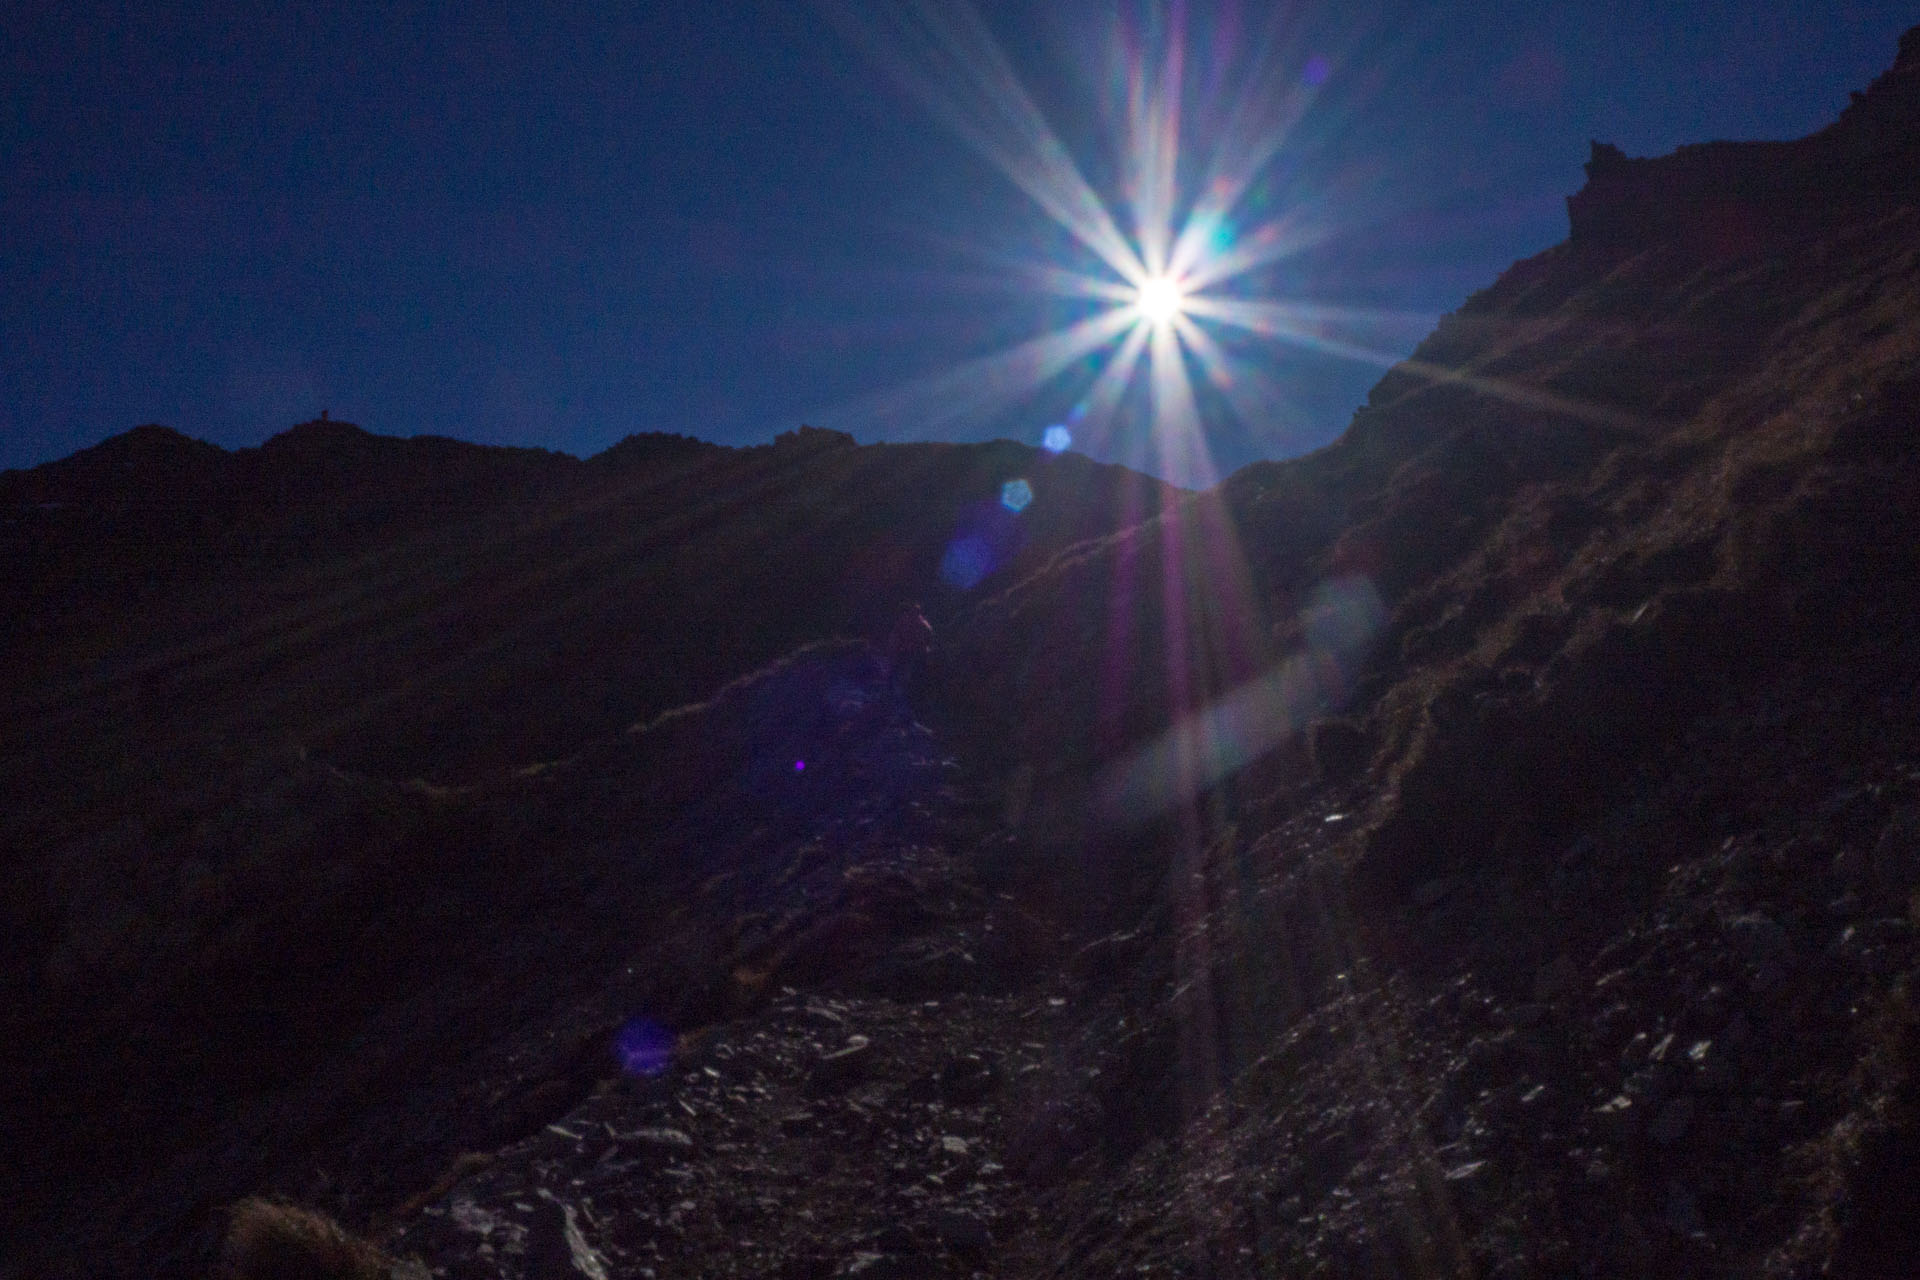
{"type": "Point", "coordinates": [1488, 846]}
{"type": "Point", "coordinates": [226, 668]}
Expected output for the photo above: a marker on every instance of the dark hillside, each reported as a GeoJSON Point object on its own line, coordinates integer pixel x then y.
{"type": "Point", "coordinates": [218, 655]}
{"type": "Point", "coordinates": [377, 598]}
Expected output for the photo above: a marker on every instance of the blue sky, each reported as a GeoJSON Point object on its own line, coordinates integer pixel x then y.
{"type": "Point", "coordinates": [549, 227]}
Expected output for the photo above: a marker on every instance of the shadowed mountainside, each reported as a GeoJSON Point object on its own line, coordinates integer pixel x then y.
{"type": "Point", "coordinates": [192, 890]}
{"type": "Point", "coordinates": [1487, 846]}
{"type": "Point", "coordinates": [391, 602]}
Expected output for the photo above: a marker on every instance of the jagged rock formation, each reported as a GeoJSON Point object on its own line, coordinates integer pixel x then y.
{"type": "Point", "coordinates": [1488, 846]}
{"type": "Point", "coordinates": [1728, 197]}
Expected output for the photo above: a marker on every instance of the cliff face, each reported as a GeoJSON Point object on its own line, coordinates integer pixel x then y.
{"type": "Point", "coordinates": [1487, 846]}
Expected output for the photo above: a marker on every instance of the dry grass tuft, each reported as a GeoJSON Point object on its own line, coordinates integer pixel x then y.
{"type": "Point", "coordinates": [268, 1240]}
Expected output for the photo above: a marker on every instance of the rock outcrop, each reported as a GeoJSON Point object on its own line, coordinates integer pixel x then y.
{"type": "Point", "coordinates": [1732, 197]}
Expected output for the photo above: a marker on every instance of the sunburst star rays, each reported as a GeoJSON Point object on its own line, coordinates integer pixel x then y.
{"type": "Point", "coordinates": [1157, 252]}
{"type": "Point", "coordinates": [946, 58]}
{"type": "Point", "coordinates": [1163, 288]}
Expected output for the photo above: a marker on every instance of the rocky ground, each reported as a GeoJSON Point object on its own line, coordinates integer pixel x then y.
{"type": "Point", "coordinates": [880, 1118]}
{"type": "Point", "coordinates": [1668, 1048]}
{"type": "Point", "coordinates": [826, 1137]}
{"type": "Point", "coordinates": [1675, 1047]}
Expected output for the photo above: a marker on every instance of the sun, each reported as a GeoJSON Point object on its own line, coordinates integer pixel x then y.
{"type": "Point", "coordinates": [1168, 280]}
{"type": "Point", "coordinates": [1160, 300]}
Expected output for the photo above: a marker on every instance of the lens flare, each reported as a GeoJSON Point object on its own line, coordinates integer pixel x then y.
{"type": "Point", "coordinates": [1199, 672]}
{"type": "Point", "coordinates": [1165, 280]}
{"type": "Point", "coordinates": [1151, 275]}
{"type": "Point", "coordinates": [966, 561]}
{"type": "Point", "coordinates": [643, 1047]}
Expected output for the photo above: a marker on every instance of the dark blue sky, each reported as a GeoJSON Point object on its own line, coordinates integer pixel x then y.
{"type": "Point", "coordinates": [557, 227]}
